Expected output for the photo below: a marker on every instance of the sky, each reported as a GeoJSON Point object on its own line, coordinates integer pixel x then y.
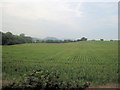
{"type": "Point", "coordinates": [61, 19]}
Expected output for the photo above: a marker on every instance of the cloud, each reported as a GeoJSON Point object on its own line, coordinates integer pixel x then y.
{"type": "Point", "coordinates": [51, 10]}
{"type": "Point", "coordinates": [60, 18]}
{"type": "Point", "coordinates": [54, 11]}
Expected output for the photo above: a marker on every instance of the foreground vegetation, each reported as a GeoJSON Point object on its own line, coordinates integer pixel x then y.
{"type": "Point", "coordinates": [67, 64]}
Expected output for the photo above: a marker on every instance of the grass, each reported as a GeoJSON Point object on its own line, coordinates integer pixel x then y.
{"type": "Point", "coordinates": [92, 61]}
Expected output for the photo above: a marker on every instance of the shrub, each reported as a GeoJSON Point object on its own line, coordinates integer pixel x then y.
{"type": "Point", "coordinates": [41, 79]}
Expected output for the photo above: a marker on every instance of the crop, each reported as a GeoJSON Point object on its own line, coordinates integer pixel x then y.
{"type": "Point", "coordinates": [94, 62]}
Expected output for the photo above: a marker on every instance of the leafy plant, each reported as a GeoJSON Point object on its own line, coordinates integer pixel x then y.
{"type": "Point", "coordinates": [41, 79]}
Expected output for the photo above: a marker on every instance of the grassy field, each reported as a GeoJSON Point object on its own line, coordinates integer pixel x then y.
{"type": "Point", "coordinates": [92, 61]}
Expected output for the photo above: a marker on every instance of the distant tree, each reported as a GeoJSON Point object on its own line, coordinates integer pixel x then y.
{"type": "Point", "coordinates": [22, 35]}
{"type": "Point", "coordinates": [9, 39]}
{"type": "Point", "coordinates": [28, 39]}
{"type": "Point", "coordinates": [49, 41]}
{"type": "Point", "coordinates": [0, 38]}
{"type": "Point", "coordinates": [58, 41]}
{"type": "Point", "coordinates": [42, 41]}
{"type": "Point", "coordinates": [4, 39]}
{"type": "Point", "coordinates": [101, 39]}
{"type": "Point", "coordinates": [111, 40]}
{"type": "Point", "coordinates": [37, 41]}
{"type": "Point", "coordinates": [78, 39]}
{"type": "Point", "coordinates": [83, 39]}
{"type": "Point", "coordinates": [68, 40]}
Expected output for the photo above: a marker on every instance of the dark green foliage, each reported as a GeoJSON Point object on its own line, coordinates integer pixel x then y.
{"type": "Point", "coordinates": [82, 39]}
{"type": "Point", "coordinates": [9, 39]}
{"type": "Point", "coordinates": [68, 41]}
{"type": "Point", "coordinates": [0, 38]}
{"type": "Point", "coordinates": [52, 41]}
{"type": "Point", "coordinates": [42, 79]}
{"type": "Point", "coordinates": [101, 39]}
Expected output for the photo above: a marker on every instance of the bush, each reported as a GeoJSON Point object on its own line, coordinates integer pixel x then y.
{"type": "Point", "coordinates": [41, 79]}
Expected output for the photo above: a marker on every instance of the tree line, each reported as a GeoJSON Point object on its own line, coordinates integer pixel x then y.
{"type": "Point", "coordinates": [9, 39]}
{"type": "Point", "coordinates": [59, 41]}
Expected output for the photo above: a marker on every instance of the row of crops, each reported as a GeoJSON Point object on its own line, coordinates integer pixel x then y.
{"type": "Point", "coordinates": [76, 64]}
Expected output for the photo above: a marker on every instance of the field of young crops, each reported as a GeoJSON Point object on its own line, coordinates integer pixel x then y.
{"type": "Point", "coordinates": [95, 62]}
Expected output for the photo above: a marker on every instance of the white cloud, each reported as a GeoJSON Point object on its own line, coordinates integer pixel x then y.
{"type": "Point", "coordinates": [49, 10]}
{"type": "Point", "coordinates": [58, 18]}
{"type": "Point", "coordinates": [45, 10]}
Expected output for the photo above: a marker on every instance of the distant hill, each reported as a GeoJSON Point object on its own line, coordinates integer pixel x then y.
{"type": "Point", "coordinates": [50, 38]}
{"type": "Point", "coordinates": [33, 38]}
{"type": "Point", "coordinates": [47, 38]}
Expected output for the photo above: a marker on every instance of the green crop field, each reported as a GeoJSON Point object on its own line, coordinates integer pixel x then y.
{"type": "Point", "coordinates": [95, 62]}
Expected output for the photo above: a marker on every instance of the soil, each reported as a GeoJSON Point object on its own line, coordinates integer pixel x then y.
{"type": "Point", "coordinates": [105, 87]}
{"type": "Point", "coordinates": [5, 82]}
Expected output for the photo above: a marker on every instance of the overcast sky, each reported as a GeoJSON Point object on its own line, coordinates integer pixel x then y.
{"type": "Point", "coordinates": [93, 20]}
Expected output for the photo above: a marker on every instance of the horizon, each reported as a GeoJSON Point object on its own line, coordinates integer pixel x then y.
{"type": "Point", "coordinates": [63, 38]}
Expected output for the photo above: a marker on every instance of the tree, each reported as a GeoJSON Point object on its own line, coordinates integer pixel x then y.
{"type": "Point", "coordinates": [22, 35]}
{"type": "Point", "coordinates": [0, 38]}
{"type": "Point", "coordinates": [22, 38]}
{"type": "Point", "coordinates": [101, 39]}
{"type": "Point", "coordinates": [9, 39]}
{"type": "Point", "coordinates": [37, 41]}
{"type": "Point", "coordinates": [28, 39]}
{"type": "Point", "coordinates": [78, 39]}
{"type": "Point", "coordinates": [68, 40]}
{"type": "Point", "coordinates": [83, 39]}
